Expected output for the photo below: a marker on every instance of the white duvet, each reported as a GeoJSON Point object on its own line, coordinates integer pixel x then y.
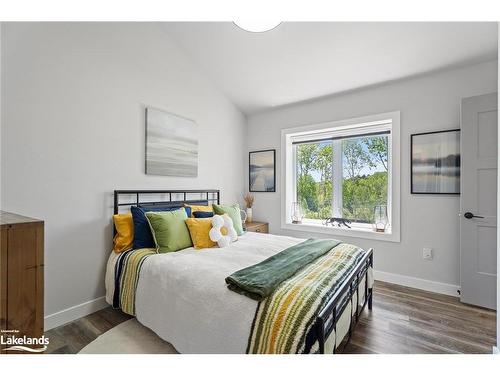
{"type": "Point", "coordinates": [183, 298]}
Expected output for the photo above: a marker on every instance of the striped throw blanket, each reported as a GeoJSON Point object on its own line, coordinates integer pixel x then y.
{"type": "Point", "coordinates": [284, 320]}
{"type": "Point", "coordinates": [127, 269]}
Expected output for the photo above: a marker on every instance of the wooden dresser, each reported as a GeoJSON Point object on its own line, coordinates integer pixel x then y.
{"type": "Point", "coordinates": [21, 276]}
{"type": "Point", "coordinates": [257, 226]}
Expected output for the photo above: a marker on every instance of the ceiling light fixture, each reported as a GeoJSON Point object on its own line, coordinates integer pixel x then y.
{"type": "Point", "coordinates": [257, 26]}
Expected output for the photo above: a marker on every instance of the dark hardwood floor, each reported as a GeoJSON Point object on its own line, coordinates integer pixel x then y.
{"type": "Point", "coordinates": [403, 320]}
{"type": "Point", "coordinates": [406, 320]}
{"type": "Point", "coordinates": [73, 337]}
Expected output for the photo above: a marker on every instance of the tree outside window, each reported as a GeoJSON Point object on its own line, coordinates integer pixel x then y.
{"type": "Point", "coordinates": [363, 183]}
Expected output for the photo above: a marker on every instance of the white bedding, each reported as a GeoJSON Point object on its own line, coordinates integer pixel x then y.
{"type": "Point", "coordinates": [183, 297]}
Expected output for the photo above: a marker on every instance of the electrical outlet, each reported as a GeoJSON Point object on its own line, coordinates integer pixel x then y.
{"type": "Point", "coordinates": [427, 253]}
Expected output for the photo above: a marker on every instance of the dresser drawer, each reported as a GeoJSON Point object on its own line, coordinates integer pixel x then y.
{"type": "Point", "coordinates": [258, 228]}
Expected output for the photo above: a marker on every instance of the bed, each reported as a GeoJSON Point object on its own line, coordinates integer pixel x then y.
{"type": "Point", "coordinates": [184, 299]}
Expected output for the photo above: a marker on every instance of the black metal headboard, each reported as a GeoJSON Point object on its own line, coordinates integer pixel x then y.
{"type": "Point", "coordinates": [137, 197]}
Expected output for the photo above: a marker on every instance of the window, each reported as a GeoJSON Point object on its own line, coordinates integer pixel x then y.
{"type": "Point", "coordinates": [347, 170]}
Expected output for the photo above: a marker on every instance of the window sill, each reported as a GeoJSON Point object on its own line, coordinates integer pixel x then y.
{"type": "Point", "coordinates": [356, 230]}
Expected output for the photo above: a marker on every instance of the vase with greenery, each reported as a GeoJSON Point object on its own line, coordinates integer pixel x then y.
{"type": "Point", "coordinates": [249, 199]}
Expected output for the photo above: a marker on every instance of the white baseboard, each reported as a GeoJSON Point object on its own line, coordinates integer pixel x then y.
{"type": "Point", "coordinates": [415, 282]}
{"type": "Point", "coordinates": [75, 312]}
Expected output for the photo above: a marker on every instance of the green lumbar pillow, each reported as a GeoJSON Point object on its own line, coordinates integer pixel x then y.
{"type": "Point", "coordinates": [233, 212]}
{"type": "Point", "coordinates": [169, 230]}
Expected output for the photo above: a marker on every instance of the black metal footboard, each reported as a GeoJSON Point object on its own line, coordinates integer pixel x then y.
{"type": "Point", "coordinates": [326, 321]}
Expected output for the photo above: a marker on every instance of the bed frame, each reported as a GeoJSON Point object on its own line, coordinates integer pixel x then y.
{"type": "Point", "coordinates": [326, 321]}
{"type": "Point", "coordinates": [210, 195]}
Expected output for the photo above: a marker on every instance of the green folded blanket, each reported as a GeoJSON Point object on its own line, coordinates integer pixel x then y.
{"type": "Point", "coordinates": [261, 279]}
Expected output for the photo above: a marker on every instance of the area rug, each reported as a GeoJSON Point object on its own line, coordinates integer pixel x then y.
{"type": "Point", "coordinates": [129, 337]}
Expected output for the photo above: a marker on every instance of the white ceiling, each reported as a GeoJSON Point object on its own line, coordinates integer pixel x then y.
{"type": "Point", "coordinates": [302, 60]}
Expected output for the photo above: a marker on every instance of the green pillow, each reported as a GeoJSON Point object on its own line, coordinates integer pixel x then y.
{"type": "Point", "coordinates": [169, 230]}
{"type": "Point", "coordinates": [233, 212]}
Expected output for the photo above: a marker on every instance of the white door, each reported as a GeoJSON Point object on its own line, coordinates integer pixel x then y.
{"type": "Point", "coordinates": [478, 200]}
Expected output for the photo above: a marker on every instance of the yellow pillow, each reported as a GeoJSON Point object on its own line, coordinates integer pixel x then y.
{"type": "Point", "coordinates": [198, 229]}
{"type": "Point", "coordinates": [124, 237]}
{"type": "Point", "coordinates": [199, 208]}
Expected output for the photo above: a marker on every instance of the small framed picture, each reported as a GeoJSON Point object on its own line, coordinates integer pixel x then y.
{"type": "Point", "coordinates": [262, 171]}
{"type": "Point", "coordinates": [435, 162]}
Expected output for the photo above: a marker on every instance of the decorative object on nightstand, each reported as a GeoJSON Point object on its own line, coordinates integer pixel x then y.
{"type": "Point", "coordinates": [21, 292]}
{"type": "Point", "coordinates": [249, 198]}
{"type": "Point", "coordinates": [296, 213]}
{"type": "Point", "coordinates": [257, 227]}
{"type": "Point", "coordinates": [380, 219]}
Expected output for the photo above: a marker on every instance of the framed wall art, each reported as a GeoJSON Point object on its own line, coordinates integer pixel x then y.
{"type": "Point", "coordinates": [262, 171]}
{"type": "Point", "coordinates": [171, 144]}
{"type": "Point", "coordinates": [435, 162]}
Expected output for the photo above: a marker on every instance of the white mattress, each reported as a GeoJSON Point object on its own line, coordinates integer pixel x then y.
{"type": "Point", "coordinates": [183, 297]}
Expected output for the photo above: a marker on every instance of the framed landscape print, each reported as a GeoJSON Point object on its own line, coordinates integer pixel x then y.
{"type": "Point", "coordinates": [262, 171]}
{"type": "Point", "coordinates": [171, 144]}
{"type": "Point", "coordinates": [435, 162]}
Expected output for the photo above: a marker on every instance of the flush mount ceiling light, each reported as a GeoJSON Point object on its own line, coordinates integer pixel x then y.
{"type": "Point", "coordinates": [257, 26]}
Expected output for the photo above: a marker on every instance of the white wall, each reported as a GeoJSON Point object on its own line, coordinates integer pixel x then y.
{"type": "Point", "coordinates": [73, 98]}
{"type": "Point", "coordinates": [426, 103]}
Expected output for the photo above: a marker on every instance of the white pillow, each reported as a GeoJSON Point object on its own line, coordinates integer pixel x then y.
{"type": "Point", "coordinates": [215, 234]}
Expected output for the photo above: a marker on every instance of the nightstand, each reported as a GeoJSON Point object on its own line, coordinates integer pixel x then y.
{"type": "Point", "coordinates": [257, 226]}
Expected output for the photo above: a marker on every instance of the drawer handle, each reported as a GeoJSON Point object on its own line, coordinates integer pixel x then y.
{"type": "Point", "coordinates": [257, 230]}
{"type": "Point", "coordinates": [33, 267]}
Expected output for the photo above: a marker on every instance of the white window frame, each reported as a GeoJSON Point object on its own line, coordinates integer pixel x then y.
{"type": "Point", "coordinates": [359, 125]}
